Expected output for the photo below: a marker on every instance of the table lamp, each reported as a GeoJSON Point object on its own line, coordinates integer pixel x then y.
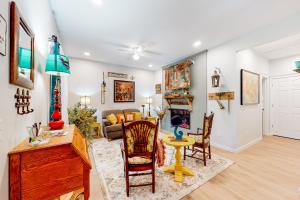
{"type": "Point", "coordinates": [149, 101]}
{"type": "Point", "coordinates": [58, 65]}
{"type": "Point", "coordinates": [85, 101]}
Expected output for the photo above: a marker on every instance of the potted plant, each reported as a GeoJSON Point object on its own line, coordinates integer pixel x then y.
{"type": "Point", "coordinates": [83, 118]}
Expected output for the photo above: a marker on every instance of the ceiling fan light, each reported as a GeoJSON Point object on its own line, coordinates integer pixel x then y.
{"type": "Point", "coordinates": [135, 56]}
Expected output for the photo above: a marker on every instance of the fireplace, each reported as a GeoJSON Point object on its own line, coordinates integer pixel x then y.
{"type": "Point", "coordinates": [185, 116]}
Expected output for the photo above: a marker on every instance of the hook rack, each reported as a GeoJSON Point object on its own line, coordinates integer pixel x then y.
{"type": "Point", "coordinates": [23, 102]}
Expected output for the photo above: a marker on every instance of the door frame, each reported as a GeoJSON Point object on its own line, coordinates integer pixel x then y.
{"type": "Point", "coordinates": [265, 104]}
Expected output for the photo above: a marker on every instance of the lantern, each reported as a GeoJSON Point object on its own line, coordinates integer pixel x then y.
{"type": "Point", "coordinates": [215, 79]}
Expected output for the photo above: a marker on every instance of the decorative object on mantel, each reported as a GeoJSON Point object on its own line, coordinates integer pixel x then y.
{"type": "Point", "coordinates": [3, 32]}
{"type": "Point", "coordinates": [124, 91]}
{"type": "Point", "coordinates": [297, 63]}
{"type": "Point", "coordinates": [21, 38]}
{"type": "Point", "coordinates": [83, 118]}
{"type": "Point", "coordinates": [117, 75]}
{"type": "Point", "coordinates": [215, 78]}
{"type": "Point", "coordinates": [103, 90]}
{"type": "Point", "coordinates": [22, 102]}
{"type": "Point", "coordinates": [249, 87]}
{"type": "Point", "coordinates": [221, 96]}
{"type": "Point", "coordinates": [180, 99]}
{"type": "Point", "coordinates": [160, 112]}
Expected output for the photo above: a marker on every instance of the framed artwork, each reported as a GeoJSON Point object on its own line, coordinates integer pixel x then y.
{"type": "Point", "coordinates": [178, 76]}
{"type": "Point", "coordinates": [249, 87]}
{"type": "Point", "coordinates": [158, 88]}
{"type": "Point", "coordinates": [3, 31]}
{"type": "Point", "coordinates": [124, 91]}
{"type": "Point", "coordinates": [117, 75]}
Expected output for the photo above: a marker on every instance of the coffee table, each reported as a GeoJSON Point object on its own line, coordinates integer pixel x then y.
{"type": "Point", "coordinates": [178, 169]}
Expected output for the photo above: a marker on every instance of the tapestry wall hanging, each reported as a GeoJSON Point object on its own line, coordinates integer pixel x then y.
{"type": "Point", "coordinates": [178, 76]}
{"type": "Point", "coordinates": [124, 91]}
{"type": "Point", "coordinates": [249, 87]}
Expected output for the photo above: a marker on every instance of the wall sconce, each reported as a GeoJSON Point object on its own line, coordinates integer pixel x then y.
{"type": "Point", "coordinates": [85, 101]}
{"type": "Point", "coordinates": [149, 102]}
{"type": "Point", "coordinates": [215, 78]}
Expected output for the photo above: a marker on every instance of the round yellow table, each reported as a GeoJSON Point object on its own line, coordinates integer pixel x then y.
{"type": "Point", "coordinates": [178, 169]}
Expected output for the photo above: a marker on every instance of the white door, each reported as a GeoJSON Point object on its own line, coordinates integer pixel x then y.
{"type": "Point", "coordinates": [285, 106]}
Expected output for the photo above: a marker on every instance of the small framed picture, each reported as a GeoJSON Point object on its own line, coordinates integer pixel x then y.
{"type": "Point", "coordinates": [3, 32]}
{"type": "Point", "coordinates": [249, 87]}
{"type": "Point", "coordinates": [158, 88]}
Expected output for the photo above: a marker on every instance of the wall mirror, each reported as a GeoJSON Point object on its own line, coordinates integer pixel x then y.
{"type": "Point", "coordinates": [21, 50]}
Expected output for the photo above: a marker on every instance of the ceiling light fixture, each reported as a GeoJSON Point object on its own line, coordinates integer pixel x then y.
{"type": "Point", "coordinates": [197, 43]}
{"type": "Point", "coordinates": [150, 66]}
{"type": "Point", "coordinates": [97, 2]}
{"type": "Point", "coordinates": [135, 56]}
{"type": "Point", "coordinates": [87, 53]}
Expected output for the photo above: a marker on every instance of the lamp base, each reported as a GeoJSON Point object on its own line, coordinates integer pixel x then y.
{"type": "Point", "coordinates": [56, 125]}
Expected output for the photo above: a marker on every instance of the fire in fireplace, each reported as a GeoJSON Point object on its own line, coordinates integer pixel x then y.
{"type": "Point", "coordinates": [185, 116]}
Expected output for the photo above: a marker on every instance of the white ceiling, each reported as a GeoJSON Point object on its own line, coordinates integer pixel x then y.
{"type": "Point", "coordinates": [286, 47]}
{"type": "Point", "coordinates": [166, 29]}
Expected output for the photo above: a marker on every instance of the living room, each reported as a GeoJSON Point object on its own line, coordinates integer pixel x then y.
{"type": "Point", "coordinates": [200, 98]}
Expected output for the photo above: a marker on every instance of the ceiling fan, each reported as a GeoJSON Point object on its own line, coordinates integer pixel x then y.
{"type": "Point", "coordinates": [136, 51]}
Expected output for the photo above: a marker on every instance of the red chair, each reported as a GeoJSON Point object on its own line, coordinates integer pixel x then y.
{"type": "Point", "coordinates": [138, 151]}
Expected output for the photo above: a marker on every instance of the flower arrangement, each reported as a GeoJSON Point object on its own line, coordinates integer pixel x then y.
{"type": "Point", "coordinates": [83, 118]}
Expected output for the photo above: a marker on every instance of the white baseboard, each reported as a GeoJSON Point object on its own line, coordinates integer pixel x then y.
{"type": "Point", "coordinates": [224, 147]}
{"type": "Point", "coordinates": [236, 150]}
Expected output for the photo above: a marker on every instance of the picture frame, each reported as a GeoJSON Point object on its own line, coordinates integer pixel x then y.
{"type": "Point", "coordinates": [117, 75]}
{"type": "Point", "coordinates": [250, 87]}
{"type": "Point", "coordinates": [124, 91]}
{"type": "Point", "coordinates": [157, 88]}
{"type": "Point", "coordinates": [3, 35]}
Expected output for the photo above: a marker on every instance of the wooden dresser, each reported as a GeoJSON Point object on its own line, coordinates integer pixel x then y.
{"type": "Point", "coordinates": [50, 170]}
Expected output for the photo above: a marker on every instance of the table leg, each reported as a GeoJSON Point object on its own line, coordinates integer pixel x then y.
{"type": "Point", "coordinates": [178, 169]}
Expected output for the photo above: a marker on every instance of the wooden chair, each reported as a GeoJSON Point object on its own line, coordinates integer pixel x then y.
{"type": "Point", "coordinates": [138, 150]}
{"type": "Point", "coordinates": [202, 138]}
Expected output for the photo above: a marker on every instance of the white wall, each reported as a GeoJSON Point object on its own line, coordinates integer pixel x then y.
{"type": "Point", "coordinates": [283, 66]}
{"type": "Point", "coordinates": [86, 80]}
{"type": "Point", "coordinates": [38, 15]}
{"type": "Point", "coordinates": [250, 116]}
{"type": "Point", "coordinates": [227, 133]}
{"type": "Point", "coordinates": [158, 80]}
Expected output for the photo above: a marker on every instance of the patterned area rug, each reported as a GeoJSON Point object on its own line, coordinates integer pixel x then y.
{"type": "Point", "coordinates": [109, 164]}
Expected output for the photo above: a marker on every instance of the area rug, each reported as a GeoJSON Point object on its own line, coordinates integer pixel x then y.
{"type": "Point", "coordinates": [109, 164]}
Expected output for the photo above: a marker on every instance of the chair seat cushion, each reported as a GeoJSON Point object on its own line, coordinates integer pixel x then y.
{"type": "Point", "coordinates": [198, 139]}
{"type": "Point", "coordinates": [139, 160]}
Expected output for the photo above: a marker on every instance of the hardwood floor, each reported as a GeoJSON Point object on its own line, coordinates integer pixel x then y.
{"type": "Point", "coordinates": [268, 170]}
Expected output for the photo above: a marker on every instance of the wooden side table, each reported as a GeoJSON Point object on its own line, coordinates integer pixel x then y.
{"type": "Point", "coordinates": [178, 169]}
{"type": "Point", "coordinates": [97, 127]}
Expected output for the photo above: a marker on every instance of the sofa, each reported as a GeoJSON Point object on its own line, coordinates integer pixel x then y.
{"type": "Point", "coordinates": [113, 131]}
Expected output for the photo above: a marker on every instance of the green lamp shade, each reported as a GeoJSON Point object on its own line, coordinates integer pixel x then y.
{"type": "Point", "coordinates": [297, 64]}
{"type": "Point", "coordinates": [57, 64]}
{"type": "Point", "coordinates": [24, 58]}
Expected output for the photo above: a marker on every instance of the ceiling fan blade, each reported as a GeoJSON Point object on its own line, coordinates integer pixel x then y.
{"type": "Point", "coordinates": [152, 52]}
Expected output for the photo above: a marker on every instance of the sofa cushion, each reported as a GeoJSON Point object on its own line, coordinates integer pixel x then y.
{"type": "Point", "coordinates": [129, 117]}
{"type": "Point", "coordinates": [112, 119]}
{"type": "Point", "coordinates": [113, 128]}
{"type": "Point", "coordinates": [120, 117]}
{"type": "Point", "coordinates": [137, 116]}
{"type": "Point", "coordinates": [108, 112]}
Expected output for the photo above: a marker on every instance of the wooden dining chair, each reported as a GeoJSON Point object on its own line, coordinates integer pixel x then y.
{"type": "Point", "coordinates": [138, 151]}
{"type": "Point", "coordinates": [202, 138]}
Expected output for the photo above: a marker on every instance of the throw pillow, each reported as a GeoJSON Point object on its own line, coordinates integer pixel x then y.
{"type": "Point", "coordinates": [137, 116]}
{"type": "Point", "coordinates": [112, 118]}
{"type": "Point", "coordinates": [120, 118]}
{"type": "Point", "coordinates": [129, 117]}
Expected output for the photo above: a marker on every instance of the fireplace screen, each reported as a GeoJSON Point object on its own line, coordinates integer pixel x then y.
{"type": "Point", "coordinates": [184, 115]}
